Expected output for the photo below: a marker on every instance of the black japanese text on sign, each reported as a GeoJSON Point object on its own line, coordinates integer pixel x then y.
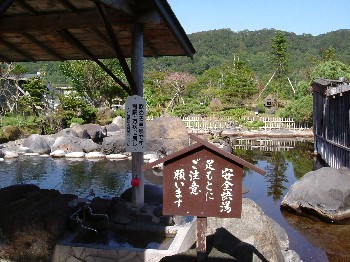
{"type": "Point", "coordinates": [135, 124]}
{"type": "Point", "coordinates": [203, 184]}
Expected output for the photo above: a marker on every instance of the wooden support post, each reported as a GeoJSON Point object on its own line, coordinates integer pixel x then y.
{"type": "Point", "coordinates": [201, 239]}
{"type": "Point", "coordinates": [137, 73]}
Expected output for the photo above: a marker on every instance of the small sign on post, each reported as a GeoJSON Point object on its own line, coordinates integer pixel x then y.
{"type": "Point", "coordinates": [204, 181]}
{"type": "Point", "coordinates": [135, 124]}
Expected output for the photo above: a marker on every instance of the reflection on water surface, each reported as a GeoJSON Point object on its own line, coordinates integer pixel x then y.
{"type": "Point", "coordinates": [284, 163]}
{"type": "Point", "coordinates": [102, 178]}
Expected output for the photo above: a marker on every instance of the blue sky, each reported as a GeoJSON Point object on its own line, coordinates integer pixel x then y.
{"type": "Point", "coordinates": [299, 16]}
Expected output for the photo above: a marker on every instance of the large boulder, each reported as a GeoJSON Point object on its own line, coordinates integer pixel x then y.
{"type": "Point", "coordinates": [27, 206]}
{"type": "Point", "coordinates": [37, 144]}
{"type": "Point", "coordinates": [253, 237]}
{"type": "Point", "coordinates": [93, 131]}
{"type": "Point", "coordinates": [166, 134]}
{"type": "Point", "coordinates": [324, 193]}
{"type": "Point", "coordinates": [114, 144]}
{"type": "Point", "coordinates": [113, 128]}
{"type": "Point", "coordinates": [66, 132]}
{"type": "Point", "coordinates": [32, 219]}
{"type": "Point", "coordinates": [119, 122]}
{"type": "Point", "coordinates": [252, 233]}
{"type": "Point", "coordinates": [75, 144]}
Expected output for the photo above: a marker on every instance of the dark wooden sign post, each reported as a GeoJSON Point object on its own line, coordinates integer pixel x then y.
{"type": "Point", "coordinates": [204, 181]}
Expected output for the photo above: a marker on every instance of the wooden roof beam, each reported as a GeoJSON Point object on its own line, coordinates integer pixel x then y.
{"type": "Point", "coordinates": [116, 47]}
{"type": "Point", "coordinates": [43, 46]}
{"type": "Point", "coordinates": [150, 47]}
{"type": "Point", "coordinates": [107, 41]}
{"type": "Point", "coordinates": [68, 36]}
{"type": "Point", "coordinates": [54, 22]}
{"type": "Point", "coordinates": [101, 36]}
{"type": "Point", "coordinates": [120, 5]}
{"type": "Point", "coordinates": [150, 18]}
{"type": "Point", "coordinates": [27, 7]}
{"type": "Point", "coordinates": [68, 5]}
{"type": "Point", "coordinates": [16, 49]}
{"type": "Point", "coordinates": [4, 5]}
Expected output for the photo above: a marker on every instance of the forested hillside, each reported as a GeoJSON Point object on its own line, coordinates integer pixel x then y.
{"type": "Point", "coordinates": [217, 47]}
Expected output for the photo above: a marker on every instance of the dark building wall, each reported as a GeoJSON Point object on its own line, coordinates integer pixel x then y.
{"type": "Point", "coordinates": [332, 125]}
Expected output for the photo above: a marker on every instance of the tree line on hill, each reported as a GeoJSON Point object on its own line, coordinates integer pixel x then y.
{"type": "Point", "coordinates": [217, 47]}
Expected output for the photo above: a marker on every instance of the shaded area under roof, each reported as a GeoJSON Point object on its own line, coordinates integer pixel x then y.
{"type": "Point", "coordinates": [47, 30]}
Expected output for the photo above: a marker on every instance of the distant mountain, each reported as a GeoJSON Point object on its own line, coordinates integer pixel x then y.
{"type": "Point", "coordinates": [217, 47]}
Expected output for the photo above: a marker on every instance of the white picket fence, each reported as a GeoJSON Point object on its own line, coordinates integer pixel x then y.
{"type": "Point", "coordinates": [270, 123]}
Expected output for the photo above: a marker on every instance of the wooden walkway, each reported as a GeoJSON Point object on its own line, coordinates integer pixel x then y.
{"type": "Point", "coordinates": [332, 121]}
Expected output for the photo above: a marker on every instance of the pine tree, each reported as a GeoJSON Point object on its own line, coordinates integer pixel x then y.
{"type": "Point", "coordinates": [280, 61]}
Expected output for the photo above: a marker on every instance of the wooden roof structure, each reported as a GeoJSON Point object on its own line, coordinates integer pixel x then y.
{"type": "Point", "coordinates": [58, 30]}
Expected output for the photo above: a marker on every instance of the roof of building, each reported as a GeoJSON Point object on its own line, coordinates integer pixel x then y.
{"type": "Point", "coordinates": [33, 30]}
{"type": "Point", "coordinates": [329, 87]}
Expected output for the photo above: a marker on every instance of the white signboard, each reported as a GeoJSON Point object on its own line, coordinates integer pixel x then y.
{"type": "Point", "coordinates": [135, 124]}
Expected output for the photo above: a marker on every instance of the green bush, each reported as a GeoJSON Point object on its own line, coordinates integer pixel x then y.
{"type": "Point", "coordinates": [119, 112]}
{"type": "Point", "coordinates": [190, 109]}
{"type": "Point", "coordinates": [74, 106]}
{"type": "Point", "coordinates": [301, 110]}
{"type": "Point", "coordinates": [76, 120]}
{"type": "Point", "coordinates": [254, 125]}
{"type": "Point", "coordinates": [261, 106]}
{"type": "Point", "coordinates": [104, 116]}
{"type": "Point", "coordinates": [11, 133]}
{"type": "Point", "coordinates": [236, 113]}
{"type": "Point", "coordinates": [52, 123]}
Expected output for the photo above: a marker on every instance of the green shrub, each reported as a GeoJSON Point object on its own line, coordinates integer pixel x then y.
{"type": "Point", "coordinates": [74, 106]}
{"type": "Point", "coordinates": [190, 109]}
{"type": "Point", "coordinates": [119, 112]}
{"type": "Point", "coordinates": [52, 123]}
{"type": "Point", "coordinates": [254, 125]}
{"type": "Point", "coordinates": [10, 120]}
{"type": "Point", "coordinates": [104, 116]}
{"type": "Point", "coordinates": [76, 120]}
{"type": "Point", "coordinates": [261, 106]}
{"type": "Point", "coordinates": [236, 113]}
{"type": "Point", "coordinates": [301, 110]}
{"type": "Point", "coordinates": [216, 105]}
{"type": "Point", "coordinates": [11, 132]}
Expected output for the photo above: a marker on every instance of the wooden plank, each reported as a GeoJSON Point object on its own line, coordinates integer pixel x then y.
{"type": "Point", "coordinates": [18, 50]}
{"type": "Point", "coordinates": [27, 7]}
{"type": "Point", "coordinates": [53, 22]}
{"type": "Point", "coordinates": [68, 5]}
{"type": "Point", "coordinates": [51, 51]}
{"type": "Point", "coordinates": [121, 5]}
{"type": "Point", "coordinates": [4, 6]}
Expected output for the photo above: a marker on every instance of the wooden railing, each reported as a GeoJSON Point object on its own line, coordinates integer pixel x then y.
{"type": "Point", "coordinates": [264, 144]}
{"type": "Point", "coordinates": [270, 123]}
